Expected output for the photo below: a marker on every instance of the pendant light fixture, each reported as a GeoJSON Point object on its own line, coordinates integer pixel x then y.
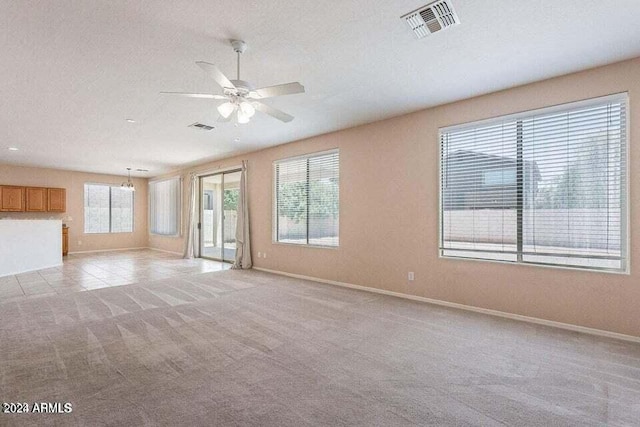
{"type": "Point", "coordinates": [129, 184]}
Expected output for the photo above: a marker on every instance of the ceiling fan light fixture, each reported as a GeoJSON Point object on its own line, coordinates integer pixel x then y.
{"type": "Point", "coordinates": [247, 109]}
{"type": "Point", "coordinates": [242, 117]}
{"type": "Point", "coordinates": [226, 109]}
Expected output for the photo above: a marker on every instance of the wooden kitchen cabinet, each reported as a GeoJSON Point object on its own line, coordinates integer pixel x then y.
{"type": "Point", "coordinates": [11, 198]}
{"type": "Point", "coordinates": [32, 199]}
{"type": "Point", "coordinates": [65, 241]}
{"type": "Point", "coordinates": [36, 199]}
{"type": "Point", "coordinates": [56, 199]}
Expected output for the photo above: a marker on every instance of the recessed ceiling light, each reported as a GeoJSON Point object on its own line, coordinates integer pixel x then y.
{"type": "Point", "coordinates": [13, 148]}
{"type": "Point", "coordinates": [130, 121]}
{"type": "Point", "coordinates": [236, 139]}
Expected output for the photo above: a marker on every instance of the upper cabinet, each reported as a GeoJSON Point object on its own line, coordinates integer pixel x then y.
{"type": "Point", "coordinates": [57, 199]}
{"type": "Point", "coordinates": [11, 199]}
{"type": "Point", "coordinates": [36, 199]}
{"type": "Point", "coordinates": [32, 199]}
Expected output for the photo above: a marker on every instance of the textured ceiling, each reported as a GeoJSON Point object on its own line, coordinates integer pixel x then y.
{"type": "Point", "coordinates": [72, 72]}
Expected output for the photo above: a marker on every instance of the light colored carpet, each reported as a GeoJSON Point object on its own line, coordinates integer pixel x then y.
{"type": "Point", "coordinates": [250, 348]}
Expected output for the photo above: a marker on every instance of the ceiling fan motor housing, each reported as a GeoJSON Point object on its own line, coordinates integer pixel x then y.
{"type": "Point", "coordinates": [242, 88]}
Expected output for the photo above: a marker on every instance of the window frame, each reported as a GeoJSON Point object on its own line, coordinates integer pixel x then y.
{"type": "Point", "coordinates": [625, 241]}
{"type": "Point", "coordinates": [179, 224]}
{"type": "Point", "coordinates": [274, 201]}
{"type": "Point", "coordinates": [84, 206]}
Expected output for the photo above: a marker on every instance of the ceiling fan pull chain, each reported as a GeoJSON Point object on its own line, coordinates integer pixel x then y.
{"type": "Point", "coordinates": [238, 65]}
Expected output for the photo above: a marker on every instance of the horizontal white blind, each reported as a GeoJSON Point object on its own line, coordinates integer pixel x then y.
{"type": "Point", "coordinates": [324, 200]}
{"type": "Point", "coordinates": [97, 204]}
{"type": "Point", "coordinates": [121, 210]}
{"type": "Point", "coordinates": [307, 200]}
{"type": "Point", "coordinates": [107, 209]}
{"type": "Point", "coordinates": [165, 206]}
{"type": "Point", "coordinates": [479, 193]}
{"type": "Point", "coordinates": [548, 188]}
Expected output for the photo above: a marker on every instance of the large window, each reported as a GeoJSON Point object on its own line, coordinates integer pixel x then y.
{"type": "Point", "coordinates": [165, 206]}
{"type": "Point", "coordinates": [107, 209]}
{"type": "Point", "coordinates": [307, 199]}
{"type": "Point", "coordinates": [545, 187]}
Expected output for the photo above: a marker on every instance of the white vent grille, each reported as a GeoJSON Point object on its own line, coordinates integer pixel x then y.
{"type": "Point", "coordinates": [201, 126]}
{"type": "Point", "coordinates": [431, 18]}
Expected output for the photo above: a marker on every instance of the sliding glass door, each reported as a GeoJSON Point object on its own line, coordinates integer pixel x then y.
{"type": "Point", "coordinates": [218, 206]}
{"type": "Point", "coordinates": [230, 193]}
{"type": "Point", "coordinates": [210, 217]}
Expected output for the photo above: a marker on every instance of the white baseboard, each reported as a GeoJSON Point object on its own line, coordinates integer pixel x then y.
{"type": "Point", "coordinates": [107, 250]}
{"type": "Point", "coordinates": [31, 270]}
{"type": "Point", "coordinates": [125, 249]}
{"type": "Point", "coordinates": [165, 251]}
{"type": "Point", "coordinates": [512, 316]}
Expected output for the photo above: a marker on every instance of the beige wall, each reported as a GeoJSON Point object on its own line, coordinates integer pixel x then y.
{"type": "Point", "coordinates": [74, 183]}
{"type": "Point", "coordinates": [396, 161]}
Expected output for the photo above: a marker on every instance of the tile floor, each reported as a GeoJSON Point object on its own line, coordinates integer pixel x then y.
{"type": "Point", "coordinates": [82, 272]}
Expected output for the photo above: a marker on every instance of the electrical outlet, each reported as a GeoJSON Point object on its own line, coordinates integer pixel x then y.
{"type": "Point", "coordinates": [79, 242]}
{"type": "Point", "coordinates": [259, 254]}
{"type": "Point", "coordinates": [264, 255]}
{"type": "Point", "coordinates": [411, 276]}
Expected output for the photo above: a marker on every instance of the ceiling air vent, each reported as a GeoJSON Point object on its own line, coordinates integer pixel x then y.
{"type": "Point", "coordinates": [201, 126]}
{"type": "Point", "coordinates": [431, 18]}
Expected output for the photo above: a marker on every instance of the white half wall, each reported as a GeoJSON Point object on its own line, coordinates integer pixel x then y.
{"type": "Point", "coordinates": [27, 245]}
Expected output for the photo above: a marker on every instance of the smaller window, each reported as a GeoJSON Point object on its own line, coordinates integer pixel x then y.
{"type": "Point", "coordinates": [307, 199]}
{"type": "Point", "coordinates": [107, 209]}
{"type": "Point", "coordinates": [165, 206]}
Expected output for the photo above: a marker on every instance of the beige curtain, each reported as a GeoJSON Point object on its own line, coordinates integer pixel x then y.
{"type": "Point", "coordinates": [243, 239]}
{"type": "Point", "coordinates": [192, 240]}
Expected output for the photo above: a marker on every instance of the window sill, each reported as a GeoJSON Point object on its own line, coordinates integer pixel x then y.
{"type": "Point", "coordinates": [274, 242]}
{"type": "Point", "coordinates": [626, 272]}
{"type": "Point", "coordinates": [169, 236]}
{"type": "Point", "coordinates": [108, 233]}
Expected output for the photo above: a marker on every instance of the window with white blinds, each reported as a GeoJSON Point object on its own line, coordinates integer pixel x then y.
{"type": "Point", "coordinates": [165, 206]}
{"type": "Point", "coordinates": [107, 209]}
{"type": "Point", "coordinates": [545, 187]}
{"type": "Point", "coordinates": [307, 199]}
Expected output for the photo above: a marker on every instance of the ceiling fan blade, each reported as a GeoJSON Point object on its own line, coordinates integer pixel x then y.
{"type": "Point", "coordinates": [273, 112]}
{"type": "Point", "coordinates": [215, 73]}
{"type": "Point", "coordinates": [277, 90]}
{"type": "Point", "coordinates": [195, 95]}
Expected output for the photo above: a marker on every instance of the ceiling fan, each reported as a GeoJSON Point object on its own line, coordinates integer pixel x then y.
{"type": "Point", "coordinates": [240, 96]}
